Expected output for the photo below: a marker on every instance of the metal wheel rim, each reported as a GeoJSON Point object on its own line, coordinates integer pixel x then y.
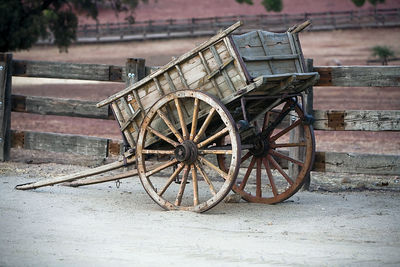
{"type": "Point", "coordinates": [298, 181]}
{"type": "Point", "coordinates": [224, 114]}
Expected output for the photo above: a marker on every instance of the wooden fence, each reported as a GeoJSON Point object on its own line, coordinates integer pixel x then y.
{"type": "Point", "coordinates": [193, 27]}
{"type": "Point", "coordinates": [326, 120]}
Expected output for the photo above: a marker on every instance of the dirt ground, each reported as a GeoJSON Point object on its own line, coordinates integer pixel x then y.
{"type": "Point", "coordinates": [345, 220]}
{"type": "Point", "coordinates": [101, 225]}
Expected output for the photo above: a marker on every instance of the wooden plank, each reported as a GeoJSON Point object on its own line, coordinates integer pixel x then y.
{"type": "Point", "coordinates": [359, 76]}
{"type": "Point", "coordinates": [266, 50]}
{"type": "Point", "coordinates": [221, 67]}
{"type": "Point", "coordinates": [357, 120]}
{"type": "Point", "coordinates": [357, 163]}
{"type": "Point", "coordinates": [171, 64]}
{"type": "Point", "coordinates": [59, 106]}
{"type": "Point", "coordinates": [65, 70]}
{"type": "Point", "coordinates": [183, 80]}
{"type": "Point", "coordinates": [264, 58]}
{"type": "Point", "coordinates": [78, 175]}
{"type": "Point", "coordinates": [76, 144]}
{"type": "Point", "coordinates": [5, 105]}
{"type": "Point", "coordinates": [207, 68]}
{"type": "Point", "coordinates": [299, 67]}
{"type": "Point", "coordinates": [98, 180]}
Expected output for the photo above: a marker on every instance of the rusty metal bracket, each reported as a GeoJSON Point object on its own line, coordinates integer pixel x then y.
{"type": "Point", "coordinates": [19, 67]}
{"type": "Point", "coordinates": [336, 120]}
{"type": "Point", "coordinates": [115, 73]}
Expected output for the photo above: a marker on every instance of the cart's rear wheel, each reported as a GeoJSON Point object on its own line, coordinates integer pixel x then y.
{"type": "Point", "coordinates": [279, 161]}
{"type": "Point", "coordinates": [187, 179]}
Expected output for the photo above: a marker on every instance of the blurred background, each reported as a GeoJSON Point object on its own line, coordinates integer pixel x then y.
{"type": "Point", "coordinates": [343, 32]}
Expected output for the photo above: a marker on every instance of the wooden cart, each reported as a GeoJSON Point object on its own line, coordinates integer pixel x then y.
{"type": "Point", "coordinates": [234, 102]}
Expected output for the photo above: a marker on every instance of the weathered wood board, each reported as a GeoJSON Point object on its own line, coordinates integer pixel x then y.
{"type": "Point", "coordinates": [65, 70]}
{"type": "Point", "coordinates": [359, 76]}
{"type": "Point", "coordinates": [59, 106]}
{"type": "Point", "coordinates": [357, 120]}
{"type": "Point", "coordinates": [357, 163]}
{"type": "Point", "coordinates": [267, 53]}
{"type": "Point", "coordinates": [76, 144]}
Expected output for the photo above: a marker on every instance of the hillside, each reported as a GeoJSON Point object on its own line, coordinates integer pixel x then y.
{"type": "Point", "coordinates": [175, 9]}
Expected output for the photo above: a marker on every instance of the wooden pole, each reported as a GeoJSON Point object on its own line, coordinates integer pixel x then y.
{"type": "Point", "coordinates": [309, 109]}
{"type": "Point", "coordinates": [135, 70]}
{"type": "Point", "coordinates": [5, 105]}
{"type": "Point", "coordinates": [78, 175]}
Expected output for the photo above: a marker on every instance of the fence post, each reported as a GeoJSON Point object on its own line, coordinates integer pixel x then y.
{"type": "Point", "coordinates": [309, 109]}
{"type": "Point", "coordinates": [135, 69]}
{"type": "Point", "coordinates": [5, 105]}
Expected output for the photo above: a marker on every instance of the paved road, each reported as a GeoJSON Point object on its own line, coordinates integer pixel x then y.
{"type": "Point", "coordinates": [102, 225]}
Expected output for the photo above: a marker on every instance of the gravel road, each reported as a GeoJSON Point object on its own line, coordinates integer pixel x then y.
{"type": "Point", "coordinates": [101, 225]}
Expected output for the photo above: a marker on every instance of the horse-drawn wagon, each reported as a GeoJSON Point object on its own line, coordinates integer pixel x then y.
{"type": "Point", "coordinates": [234, 102]}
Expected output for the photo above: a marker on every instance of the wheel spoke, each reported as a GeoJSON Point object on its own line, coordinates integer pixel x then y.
{"type": "Point", "coordinates": [170, 125]}
{"type": "Point", "coordinates": [206, 178]}
{"type": "Point", "coordinates": [258, 178]}
{"type": "Point", "coordinates": [181, 119]}
{"type": "Point", "coordinates": [279, 168]}
{"type": "Point", "coordinates": [215, 151]}
{"type": "Point", "coordinates": [195, 186]}
{"type": "Point", "coordinates": [287, 145]}
{"type": "Point", "coordinates": [195, 118]}
{"type": "Point", "coordinates": [171, 179]}
{"type": "Point", "coordinates": [248, 172]}
{"type": "Point", "coordinates": [270, 177]}
{"type": "Point", "coordinates": [267, 118]}
{"type": "Point", "coordinates": [159, 152]}
{"type": "Point", "coordinates": [280, 155]}
{"type": "Point", "coordinates": [163, 137]}
{"type": "Point", "coordinates": [161, 167]}
{"type": "Point", "coordinates": [215, 168]}
{"type": "Point", "coordinates": [205, 125]}
{"type": "Point", "coordinates": [182, 187]}
{"type": "Point", "coordinates": [245, 157]}
{"type": "Point", "coordinates": [223, 132]}
{"type": "Point", "coordinates": [286, 130]}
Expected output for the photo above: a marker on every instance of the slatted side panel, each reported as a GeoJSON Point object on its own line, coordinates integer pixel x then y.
{"type": "Point", "coordinates": [213, 70]}
{"type": "Point", "coordinates": [267, 53]}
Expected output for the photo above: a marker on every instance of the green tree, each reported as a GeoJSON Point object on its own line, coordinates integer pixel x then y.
{"type": "Point", "coordinates": [22, 23]}
{"type": "Point", "coordinates": [277, 5]}
{"type": "Point", "coordinates": [383, 53]}
{"type": "Point", "coordinates": [269, 5]}
{"type": "Point", "coordinates": [360, 3]}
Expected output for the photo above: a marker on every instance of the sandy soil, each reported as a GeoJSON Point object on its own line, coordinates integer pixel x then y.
{"type": "Point", "coordinates": [102, 225]}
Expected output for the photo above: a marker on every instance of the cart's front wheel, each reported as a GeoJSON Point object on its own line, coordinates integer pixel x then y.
{"type": "Point", "coordinates": [180, 131]}
{"type": "Point", "coordinates": [279, 158]}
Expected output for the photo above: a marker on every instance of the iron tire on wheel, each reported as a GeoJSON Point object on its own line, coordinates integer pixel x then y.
{"type": "Point", "coordinates": [187, 149]}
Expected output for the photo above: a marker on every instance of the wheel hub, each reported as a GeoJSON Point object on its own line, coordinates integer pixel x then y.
{"type": "Point", "coordinates": [260, 147]}
{"type": "Point", "coordinates": [186, 152]}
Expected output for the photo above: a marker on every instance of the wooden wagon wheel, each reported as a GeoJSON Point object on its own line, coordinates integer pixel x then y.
{"type": "Point", "coordinates": [169, 130]}
{"type": "Point", "coordinates": [280, 159]}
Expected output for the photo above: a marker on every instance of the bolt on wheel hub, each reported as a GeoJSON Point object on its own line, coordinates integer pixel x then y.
{"type": "Point", "coordinates": [186, 152]}
{"type": "Point", "coordinates": [260, 147]}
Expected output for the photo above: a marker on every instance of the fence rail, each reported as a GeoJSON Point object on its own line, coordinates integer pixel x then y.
{"type": "Point", "coordinates": [327, 120]}
{"type": "Point", "coordinates": [193, 27]}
